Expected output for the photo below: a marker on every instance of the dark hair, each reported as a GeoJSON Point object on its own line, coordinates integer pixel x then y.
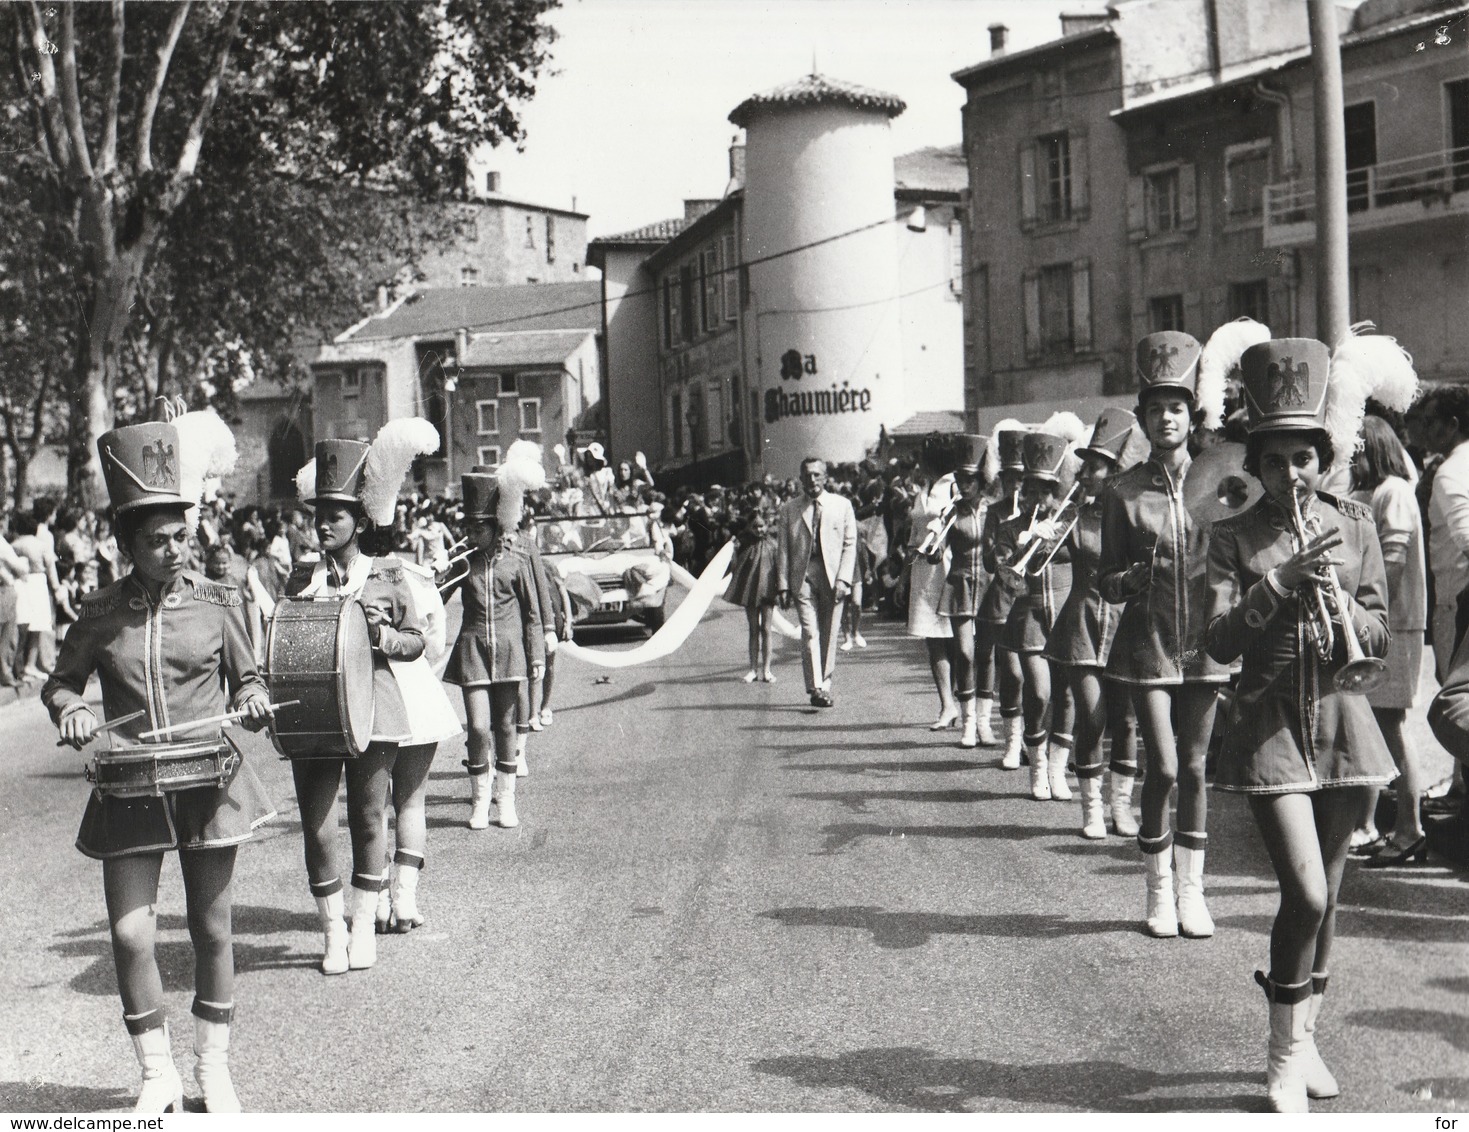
{"type": "Point", "coordinates": [1382, 452]}
{"type": "Point", "coordinates": [26, 523]}
{"type": "Point", "coordinates": [375, 541]}
{"type": "Point", "coordinates": [43, 507]}
{"type": "Point", "coordinates": [1325, 451]}
{"type": "Point", "coordinates": [1446, 401]}
{"type": "Point", "coordinates": [129, 523]}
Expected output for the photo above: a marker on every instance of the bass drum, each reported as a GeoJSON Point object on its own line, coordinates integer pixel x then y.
{"type": "Point", "coordinates": [319, 651]}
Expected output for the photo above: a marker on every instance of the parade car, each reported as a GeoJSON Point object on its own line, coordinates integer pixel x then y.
{"type": "Point", "coordinates": [619, 555]}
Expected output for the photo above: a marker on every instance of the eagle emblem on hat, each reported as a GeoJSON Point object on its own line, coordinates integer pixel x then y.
{"type": "Point", "coordinates": [329, 461]}
{"type": "Point", "coordinates": [1288, 381]}
{"type": "Point", "coordinates": [158, 463]}
{"type": "Point", "coordinates": [1161, 364]}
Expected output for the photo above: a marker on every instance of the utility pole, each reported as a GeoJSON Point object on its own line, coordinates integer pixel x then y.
{"type": "Point", "coordinates": [1333, 279]}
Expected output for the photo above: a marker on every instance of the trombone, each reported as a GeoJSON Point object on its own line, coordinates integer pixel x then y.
{"type": "Point", "coordinates": [1021, 565]}
{"type": "Point", "coordinates": [939, 528]}
{"type": "Point", "coordinates": [1361, 673]}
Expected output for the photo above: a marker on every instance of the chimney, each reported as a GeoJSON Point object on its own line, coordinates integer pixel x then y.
{"type": "Point", "coordinates": [999, 33]}
{"type": "Point", "coordinates": [492, 181]}
{"type": "Point", "coordinates": [737, 162]}
{"type": "Point", "coordinates": [461, 345]}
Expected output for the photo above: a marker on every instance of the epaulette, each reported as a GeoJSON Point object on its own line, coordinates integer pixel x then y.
{"type": "Point", "coordinates": [1348, 507]}
{"type": "Point", "coordinates": [213, 592]}
{"type": "Point", "coordinates": [416, 568]}
{"type": "Point", "coordinates": [390, 572]}
{"type": "Point", "coordinates": [99, 603]}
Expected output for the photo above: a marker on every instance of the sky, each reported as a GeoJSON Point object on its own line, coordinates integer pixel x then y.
{"type": "Point", "coordinates": [631, 117]}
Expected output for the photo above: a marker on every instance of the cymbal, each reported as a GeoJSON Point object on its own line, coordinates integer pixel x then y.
{"type": "Point", "coordinates": [1218, 485]}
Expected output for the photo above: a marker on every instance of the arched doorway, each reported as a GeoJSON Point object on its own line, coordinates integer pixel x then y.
{"type": "Point", "coordinates": [285, 453]}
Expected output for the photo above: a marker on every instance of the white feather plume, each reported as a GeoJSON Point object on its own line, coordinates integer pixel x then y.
{"type": "Point", "coordinates": [388, 460]}
{"type": "Point", "coordinates": [1067, 425]}
{"type": "Point", "coordinates": [1365, 365]}
{"type": "Point", "coordinates": [306, 481]}
{"type": "Point", "coordinates": [206, 448]}
{"type": "Point", "coordinates": [1009, 424]}
{"type": "Point", "coordinates": [527, 450]}
{"type": "Point", "coordinates": [560, 450]}
{"type": "Point", "coordinates": [1219, 360]}
{"type": "Point", "coordinates": [516, 477]}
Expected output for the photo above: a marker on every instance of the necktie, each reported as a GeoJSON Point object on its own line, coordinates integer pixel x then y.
{"type": "Point", "coordinates": [816, 530]}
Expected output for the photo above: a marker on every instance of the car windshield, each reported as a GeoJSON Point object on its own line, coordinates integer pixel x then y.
{"type": "Point", "coordinates": [586, 536]}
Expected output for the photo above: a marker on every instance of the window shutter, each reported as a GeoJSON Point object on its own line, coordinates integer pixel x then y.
{"type": "Point", "coordinates": [1188, 196]}
{"type": "Point", "coordinates": [1080, 171]}
{"type": "Point", "coordinates": [1027, 185]}
{"type": "Point", "coordinates": [1137, 208]}
{"type": "Point", "coordinates": [1081, 304]}
{"type": "Point", "coordinates": [1193, 315]}
{"type": "Point", "coordinates": [1032, 288]}
{"type": "Point", "coordinates": [956, 256]}
{"type": "Point", "coordinates": [731, 280]}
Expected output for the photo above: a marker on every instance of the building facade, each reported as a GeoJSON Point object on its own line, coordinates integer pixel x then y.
{"type": "Point", "coordinates": [1191, 126]}
{"type": "Point", "coordinates": [486, 365]}
{"type": "Point", "coordinates": [814, 306]}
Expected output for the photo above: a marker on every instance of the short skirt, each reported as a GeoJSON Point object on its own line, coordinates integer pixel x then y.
{"type": "Point", "coordinates": [1404, 665]}
{"type": "Point", "coordinates": [1029, 625]}
{"type": "Point", "coordinates": [963, 594]}
{"type": "Point", "coordinates": [201, 818]}
{"type": "Point", "coordinates": [1278, 766]}
{"type": "Point", "coordinates": [473, 663]}
{"type": "Point", "coordinates": [33, 606]}
{"type": "Point", "coordinates": [752, 582]}
{"type": "Point", "coordinates": [431, 716]}
{"type": "Point", "coordinates": [925, 592]}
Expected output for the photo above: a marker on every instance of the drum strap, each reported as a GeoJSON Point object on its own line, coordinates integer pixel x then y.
{"type": "Point", "coordinates": [357, 575]}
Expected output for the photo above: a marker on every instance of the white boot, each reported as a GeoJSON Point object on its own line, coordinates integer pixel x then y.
{"type": "Point", "coordinates": [163, 1088]}
{"type": "Point", "coordinates": [479, 800]}
{"type": "Point", "coordinates": [505, 799]}
{"type": "Point", "coordinates": [983, 726]}
{"type": "Point", "coordinates": [1121, 804]}
{"type": "Point", "coordinates": [1285, 1082]}
{"type": "Point", "coordinates": [969, 733]}
{"type": "Point", "coordinates": [211, 1069]}
{"type": "Point", "coordinates": [1040, 782]}
{"type": "Point", "coordinates": [362, 943]}
{"type": "Point", "coordinates": [1014, 741]}
{"type": "Point", "coordinates": [1058, 758]}
{"type": "Point", "coordinates": [1162, 912]}
{"type": "Point", "coordinates": [1320, 1083]}
{"type": "Point", "coordinates": [521, 770]}
{"type": "Point", "coordinates": [334, 931]}
{"type": "Point", "coordinates": [383, 916]}
{"type": "Point", "coordinates": [1093, 827]}
{"type": "Point", "coordinates": [404, 888]}
{"type": "Point", "coordinates": [1194, 920]}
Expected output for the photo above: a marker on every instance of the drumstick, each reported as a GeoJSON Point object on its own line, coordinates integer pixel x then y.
{"type": "Point", "coordinates": [227, 717]}
{"type": "Point", "coordinates": [111, 724]}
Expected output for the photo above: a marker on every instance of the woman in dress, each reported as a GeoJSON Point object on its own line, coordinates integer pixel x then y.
{"type": "Point", "coordinates": [1288, 580]}
{"type": "Point", "coordinates": [1381, 479]}
{"type": "Point", "coordinates": [169, 645]}
{"type": "Point", "coordinates": [1081, 638]}
{"type": "Point", "coordinates": [967, 579]}
{"type": "Point", "coordinates": [1154, 555]}
{"type": "Point", "coordinates": [501, 642]}
{"type": "Point", "coordinates": [934, 496]}
{"type": "Point", "coordinates": [752, 585]}
{"type": "Point", "coordinates": [351, 484]}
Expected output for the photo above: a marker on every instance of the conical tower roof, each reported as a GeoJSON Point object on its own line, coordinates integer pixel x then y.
{"type": "Point", "coordinates": [817, 90]}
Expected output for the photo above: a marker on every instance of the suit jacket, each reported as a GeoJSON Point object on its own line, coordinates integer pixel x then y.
{"type": "Point", "coordinates": [838, 541]}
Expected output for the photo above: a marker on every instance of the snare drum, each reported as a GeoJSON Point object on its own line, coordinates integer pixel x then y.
{"type": "Point", "coordinates": [319, 651]}
{"type": "Point", "coordinates": [149, 770]}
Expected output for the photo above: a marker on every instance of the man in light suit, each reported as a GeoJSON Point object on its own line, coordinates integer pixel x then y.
{"type": "Point", "coordinates": [817, 541]}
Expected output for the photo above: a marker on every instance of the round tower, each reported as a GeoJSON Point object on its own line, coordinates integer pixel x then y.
{"type": "Point", "coordinates": [819, 237]}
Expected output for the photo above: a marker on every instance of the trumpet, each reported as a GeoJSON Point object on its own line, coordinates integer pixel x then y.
{"type": "Point", "coordinates": [938, 529]}
{"type": "Point", "coordinates": [1361, 673]}
{"type": "Point", "coordinates": [1020, 565]}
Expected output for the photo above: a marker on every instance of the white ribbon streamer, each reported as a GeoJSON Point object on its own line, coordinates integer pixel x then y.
{"type": "Point", "coordinates": [777, 619]}
{"type": "Point", "coordinates": [676, 630]}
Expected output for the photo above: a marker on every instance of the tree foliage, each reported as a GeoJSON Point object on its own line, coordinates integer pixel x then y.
{"type": "Point", "coordinates": [220, 178]}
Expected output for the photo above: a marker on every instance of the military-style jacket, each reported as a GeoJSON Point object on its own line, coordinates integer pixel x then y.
{"type": "Point", "coordinates": [526, 546]}
{"type": "Point", "coordinates": [380, 583]}
{"type": "Point", "coordinates": [1160, 634]}
{"type": "Point", "coordinates": [1290, 729]}
{"type": "Point", "coordinates": [174, 658]}
{"type": "Point", "coordinates": [1083, 630]}
{"type": "Point", "coordinates": [501, 634]}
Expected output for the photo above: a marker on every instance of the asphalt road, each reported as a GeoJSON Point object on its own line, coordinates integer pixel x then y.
{"type": "Point", "coordinates": [721, 899]}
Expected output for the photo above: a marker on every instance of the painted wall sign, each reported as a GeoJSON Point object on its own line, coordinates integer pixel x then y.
{"type": "Point", "coordinates": [819, 402]}
{"type": "Point", "coordinates": [793, 364]}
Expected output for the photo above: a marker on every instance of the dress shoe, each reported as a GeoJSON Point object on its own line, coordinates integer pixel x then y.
{"type": "Point", "coordinates": [822, 699]}
{"type": "Point", "coordinates": [1393, 854]}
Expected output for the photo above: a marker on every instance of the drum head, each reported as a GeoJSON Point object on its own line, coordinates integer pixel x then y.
{"type": "Point", "coordinates": [354, 668]}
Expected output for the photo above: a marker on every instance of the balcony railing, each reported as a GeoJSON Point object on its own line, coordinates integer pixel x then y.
{"type": "Point", "coordinates": [1376, 194]}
